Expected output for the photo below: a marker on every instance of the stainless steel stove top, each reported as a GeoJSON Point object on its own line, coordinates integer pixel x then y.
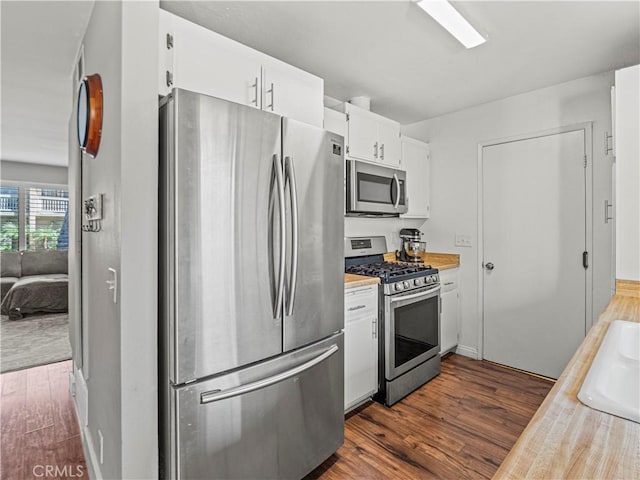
{"type": "Point", "coordinates": [365, 256]}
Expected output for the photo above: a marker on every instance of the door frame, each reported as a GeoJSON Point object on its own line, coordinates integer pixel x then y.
{"type": "Point", "coordinates": [587, 128]}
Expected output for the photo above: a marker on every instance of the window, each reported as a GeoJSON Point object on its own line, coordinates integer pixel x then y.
{"type": "Point", "coordinates": [9, 221]}
{"type": "Point", "coordinates": [33, 218]}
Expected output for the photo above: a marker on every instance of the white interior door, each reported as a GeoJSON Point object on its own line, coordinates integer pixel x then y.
{"type": "Point", "coordinates": [534, 236]}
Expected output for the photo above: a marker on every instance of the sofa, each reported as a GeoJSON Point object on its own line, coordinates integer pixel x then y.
{"type": "Point", "coordinates": [34, 282]}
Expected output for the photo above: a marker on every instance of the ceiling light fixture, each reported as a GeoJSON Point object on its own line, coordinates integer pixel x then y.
{"type": "Point", "coordinates": [447, 16]}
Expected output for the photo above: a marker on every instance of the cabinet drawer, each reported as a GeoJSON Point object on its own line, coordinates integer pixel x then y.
{"type": "Point", "coordinates": [360, 302]}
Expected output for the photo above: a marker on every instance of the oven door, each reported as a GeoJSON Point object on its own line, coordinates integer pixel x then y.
{"type": "Point", "coordinates": [412, 329]}
{"type": "Point", "coordinates": [375, 189]}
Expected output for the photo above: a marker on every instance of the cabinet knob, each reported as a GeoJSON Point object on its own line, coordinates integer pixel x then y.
{"type": "Point", "coordinates": [489, 266]}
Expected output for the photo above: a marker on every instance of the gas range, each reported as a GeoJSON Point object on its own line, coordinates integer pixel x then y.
{"type": "Point", "coordinates": [395, 277]}
{"type": "Point", "coordinates": [409, 317]}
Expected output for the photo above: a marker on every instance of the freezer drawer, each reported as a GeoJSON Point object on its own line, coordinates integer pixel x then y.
{"type": "Point", "coordinates": [277, 419]}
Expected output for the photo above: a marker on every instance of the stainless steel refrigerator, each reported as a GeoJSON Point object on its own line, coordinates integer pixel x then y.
{"type": "Point", "coordinates": [251, 293]}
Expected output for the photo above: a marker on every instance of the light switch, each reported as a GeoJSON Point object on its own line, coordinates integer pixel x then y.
{"type": "Point", "coordinates": [463, 240]}
{"type": "Point", "coordinates": [112, 284]}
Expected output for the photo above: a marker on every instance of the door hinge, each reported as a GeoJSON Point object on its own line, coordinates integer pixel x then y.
{"type": "Point", "coordinates": [585, 161]}
{"type": "Point", "coordinates": [347, 149]}
{"type": "Point", "coordinates": [607, 148]}
{"type": "Point", "coordinates": [585, 259]}
{"type": "Point", "coordinates": [348, 116]}
{"type": "Point", "coordinates": [169, 78]}
{"type": "Point", "coordinates": [169, 41]}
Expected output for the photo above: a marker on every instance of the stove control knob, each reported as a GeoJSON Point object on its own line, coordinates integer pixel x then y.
{"type": "Point", "coordinates": [418, 281]}
{"type": "Point", "coordinates": [398, 286]}
{"type": "Point", "coordinates": [406, 284]}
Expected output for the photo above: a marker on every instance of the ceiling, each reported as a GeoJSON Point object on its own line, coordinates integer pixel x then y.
{"type": "Point", "coordinates": [390, 51]}
{"type": "Point", "coordinates": [40, 41]}
{"type": "Point", "coordinates": [410, 66]}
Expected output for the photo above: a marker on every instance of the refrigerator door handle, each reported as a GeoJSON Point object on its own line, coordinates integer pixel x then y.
{"type": "Point", "coordinates": [280, 185]}
{"type": "Point", "coordinates": [290, 180]}
{"type": "Point", "coordinates": [217, 395]}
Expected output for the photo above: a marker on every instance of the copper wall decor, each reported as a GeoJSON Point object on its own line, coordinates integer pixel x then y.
{"type": "Point", "coordinates": [89, 114]}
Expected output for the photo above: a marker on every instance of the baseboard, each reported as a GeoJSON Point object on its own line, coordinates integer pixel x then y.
{"type": "Point", "coordinates": [467, 351]}
{"type": "Point", "coordinates": [93, 466]}
{"type": "Point", "coordinates": [81, 404]}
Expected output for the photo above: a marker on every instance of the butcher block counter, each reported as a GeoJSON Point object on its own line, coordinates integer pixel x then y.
{"type": "Point", "coordinates": [441, 261]}
{"type": "Point", "coordinates": [351, 280]}
{"type": "Point", "coordinates": [566, 439]}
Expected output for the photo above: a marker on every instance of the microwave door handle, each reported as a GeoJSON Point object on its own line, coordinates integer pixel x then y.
{"type": "Point", "coordinates": [426, 293]}
{"type": "Point", "coordinates": [397, 202]}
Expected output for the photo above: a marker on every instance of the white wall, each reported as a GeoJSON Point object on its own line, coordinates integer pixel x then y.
{"type": "Point", "coordinates": [627, 150]}
{"type": "Point", "coordinates": [118, 372]}
{"type": "Point", "coordinates": [454, 140]}
{"type": "Point", "coordinates": [33, 172]}
{"type": "Point", "coordinates": [389, 227]}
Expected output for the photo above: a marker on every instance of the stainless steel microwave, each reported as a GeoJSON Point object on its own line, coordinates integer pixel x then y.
{"type": "Point", "coordinates": [375, 189]}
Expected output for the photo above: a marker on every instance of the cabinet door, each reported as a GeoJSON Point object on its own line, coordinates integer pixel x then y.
{"type": "Point", "coordinates": [415, 161]}
{"type": "Point", "coordinates": [449, 319]}
{"type": "Point", "coordinates": [165, 53]}
{"type": "Point", "coordinates": [206, 62]}
{"type": "Point", "coordinates": [361, 370]}
{"type": "Point", "coordinates": [291, 92]}
{"type": "Point", "coordinates": [389, 139]}
{"type": "Point", "coordinates": [362, 141]}
{"type": "Point", "coordinates": [361, 345]}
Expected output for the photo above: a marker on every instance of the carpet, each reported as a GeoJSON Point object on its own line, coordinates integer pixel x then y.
{"type": "Point", "coordinates": [34, 340]}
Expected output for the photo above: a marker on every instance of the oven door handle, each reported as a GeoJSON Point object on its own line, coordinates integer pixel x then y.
{"type": "Point", "coordinates": [415, 295]}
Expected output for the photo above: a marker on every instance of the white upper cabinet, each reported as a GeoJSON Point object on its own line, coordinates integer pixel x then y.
{"type": "Point", "coordinates": [389, 138]}
{"type": "Point", "coordinates": [197, 59]}
{"type": "Point", "coordinates": [292, 92]}
{"type": "Point", "coordinates": [362, 135]}
{"type": "Point", "coordinates": [415, 161]}
{"type": "Point", "coordinates": [371, 137]}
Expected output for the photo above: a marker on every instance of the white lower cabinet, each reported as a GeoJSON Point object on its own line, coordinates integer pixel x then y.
{"type": "Point", "coordinates": [450, 316]}
{"type": "Point", "coordinates": [360, 344]}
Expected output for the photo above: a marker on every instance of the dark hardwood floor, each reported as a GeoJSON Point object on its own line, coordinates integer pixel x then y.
{"type": "Point", "coordinates": [459, 425]}
{"type": "Point", "coordinates": [39, 435]}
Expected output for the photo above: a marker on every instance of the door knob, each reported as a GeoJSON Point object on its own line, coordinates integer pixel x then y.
{"type": "Point", "coordinates": [489, 266]}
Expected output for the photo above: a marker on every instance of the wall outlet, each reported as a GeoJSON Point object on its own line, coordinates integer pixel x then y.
{"type": "Point", "coordinates": [463, 240]}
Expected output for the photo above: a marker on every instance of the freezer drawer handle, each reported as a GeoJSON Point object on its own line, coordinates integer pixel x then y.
{"type": "Point", "coordinates": [216, 395]}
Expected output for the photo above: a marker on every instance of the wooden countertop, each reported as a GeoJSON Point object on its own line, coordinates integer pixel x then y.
{"type": "Point", "coordinates": [441, 261]}
{"type": "Point", "coordinates": [351, 280]}
{"type": "Point", "coordinates": [566, 439]}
